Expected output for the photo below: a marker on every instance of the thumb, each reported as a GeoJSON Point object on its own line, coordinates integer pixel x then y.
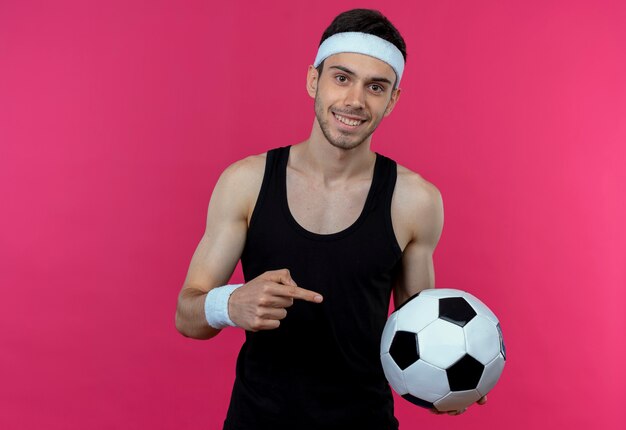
{"type": "Point", "coordinates": [282, 276]}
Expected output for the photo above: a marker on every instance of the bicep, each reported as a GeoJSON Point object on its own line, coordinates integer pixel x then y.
{"type": "Point", "coordinates": [417, 271]}
{"type": "Point", "coordinates": [216, 255]}
{"type": "Point", "coordinates": [222, 243]}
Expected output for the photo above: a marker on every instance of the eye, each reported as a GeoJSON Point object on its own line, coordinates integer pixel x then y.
{"type": "Point", "coordinates": [341, 78]}
{"type": "Point", "coordinates": [377, 88]}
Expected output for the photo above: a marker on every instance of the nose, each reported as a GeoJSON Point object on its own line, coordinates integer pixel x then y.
{"type": "Point", "coordinates": [355, 96]}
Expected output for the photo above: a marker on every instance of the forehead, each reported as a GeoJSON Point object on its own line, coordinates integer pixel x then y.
{"type": "Point", "coordinates": [361, 64]}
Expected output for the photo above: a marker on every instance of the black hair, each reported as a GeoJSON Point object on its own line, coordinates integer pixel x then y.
{"type": "Point", "coordinates": [365, 21]}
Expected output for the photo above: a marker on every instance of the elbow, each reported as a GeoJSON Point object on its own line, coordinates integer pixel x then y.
{"type": "Point", "coordinates": [179, 324]}
{"type": "Point", "coordinates": [189, 319]}
{"type": "Point", "coordinates": [192, 331]}
{"type": "Point", "coordinates": [181, 319]}
{"type": "Point", "coordinates": [182, 322]}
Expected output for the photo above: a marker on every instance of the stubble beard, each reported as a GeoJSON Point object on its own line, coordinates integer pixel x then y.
{"type": "Point", "coordinates": [342, 141]}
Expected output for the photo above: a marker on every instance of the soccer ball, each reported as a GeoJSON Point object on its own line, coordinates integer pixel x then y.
{"type": "Point", "coordinates": [442, 349]}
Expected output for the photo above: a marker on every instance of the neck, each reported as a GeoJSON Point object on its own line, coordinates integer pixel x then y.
{"type": "Point", "coordinates": [318, 156]}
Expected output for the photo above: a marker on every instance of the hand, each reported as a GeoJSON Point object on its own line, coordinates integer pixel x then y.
{"type": "Point", "coordinates": [480, 401]}
{"type": "Point", "coordinates": [261, 303]}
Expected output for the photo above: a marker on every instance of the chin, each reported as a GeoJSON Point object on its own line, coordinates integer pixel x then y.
{"type": "Point", "coordinates": [345, 145]}
{"type": "Point", "coordinates": [344, 142]}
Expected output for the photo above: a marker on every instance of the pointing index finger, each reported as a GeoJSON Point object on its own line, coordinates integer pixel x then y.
{"type": "Point", "coordinates": [300, 293]}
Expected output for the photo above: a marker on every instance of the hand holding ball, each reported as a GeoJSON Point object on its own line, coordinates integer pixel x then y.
{"type": "Point", "coordinates": [442, 349]}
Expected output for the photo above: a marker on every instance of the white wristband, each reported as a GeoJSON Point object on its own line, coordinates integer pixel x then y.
{"type": "Point", "coordinates": [216, 306]}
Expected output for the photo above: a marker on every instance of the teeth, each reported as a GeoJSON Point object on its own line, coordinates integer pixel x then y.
{"type": "Point", "coordinates": [347, 121]}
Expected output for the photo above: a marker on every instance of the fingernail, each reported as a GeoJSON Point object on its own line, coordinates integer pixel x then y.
{"type": "Point", "coordinates": [318, 299]}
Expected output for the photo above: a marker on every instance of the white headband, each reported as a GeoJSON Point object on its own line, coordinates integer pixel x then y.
{"type": "Point", "coordinates": [362, 43]}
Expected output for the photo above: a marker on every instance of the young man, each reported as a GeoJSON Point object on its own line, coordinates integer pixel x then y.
{"type": "Point", "coordinates": [326, 231]}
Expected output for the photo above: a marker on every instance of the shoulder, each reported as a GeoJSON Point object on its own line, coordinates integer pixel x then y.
{"type": "Point", "coordinates": [417, 206]}
{"type": "Point", "coordinates": [242, 176]}
{"type": "Point", "coordinates": [414, 189]}
{"type": "Point", "coordinates": [245, 168]}
{"type": "Point", "coordinates": [241, 182]}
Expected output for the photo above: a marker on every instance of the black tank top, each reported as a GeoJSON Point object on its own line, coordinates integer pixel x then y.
{"type": "Point", "coordinates": [321, 369]}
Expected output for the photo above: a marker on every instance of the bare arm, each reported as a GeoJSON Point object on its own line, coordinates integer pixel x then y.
{"type": "Point", "coordinates": [422, 215]}
{"type": "Point", "coordinates": [259, 304]}
{"type": "Point", "coordinates": [220, 248]}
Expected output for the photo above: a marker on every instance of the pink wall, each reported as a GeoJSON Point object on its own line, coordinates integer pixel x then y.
{"type": "Point", "coordinates": [117, 117]}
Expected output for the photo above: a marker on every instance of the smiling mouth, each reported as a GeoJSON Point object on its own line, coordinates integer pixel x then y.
{"type": "Point", "coordinates": [348, 121]}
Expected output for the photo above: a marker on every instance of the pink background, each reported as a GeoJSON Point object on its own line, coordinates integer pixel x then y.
{"type": "Point", "coordinates": [117, 117]}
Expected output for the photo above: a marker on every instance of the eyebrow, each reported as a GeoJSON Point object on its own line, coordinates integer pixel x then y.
{"type": "Point", "coordinates": [350, 72]}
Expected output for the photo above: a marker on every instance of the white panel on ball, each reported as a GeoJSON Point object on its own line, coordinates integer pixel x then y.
{"type": "Point", "coordinates": [388, 332]}
{"type": "Point", "coordinates": [480, 307]}
{"type": "Point", "coordinates": [417, 314]}
{"type": "Point", "coordinates": [393, 374]}
{"type": "Point", "coordinates": [441, 293]}
{"type": "Point", "coordinates": [457, 400]}
{"type": "Point", "coordinates": [483, 339]}
{"type": "Point", "coordinates": [425, 381]}
{"type": "Point", "coordinates": [490, 375]}
{"type": "Point", "coordinates": [441, 343]}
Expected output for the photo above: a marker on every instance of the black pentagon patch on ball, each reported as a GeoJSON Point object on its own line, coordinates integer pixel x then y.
{"type": "Point", "coordinates": [502, 347]}
{"type": "Point", "coordinates": [465, 373]}
{"type": "Point", "coordinates": [456, 310]}
{"type": "Point", "coordinates": [404, 349]}
{"type": "Point", "coordinates": [417, 401]}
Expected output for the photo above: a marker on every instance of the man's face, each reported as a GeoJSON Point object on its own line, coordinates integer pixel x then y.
{"type": "Point", "coordinates": [352, 95]}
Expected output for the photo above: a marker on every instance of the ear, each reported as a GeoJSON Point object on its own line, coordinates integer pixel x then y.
{"type": "Point", "coordinates": [395, 96]}
{"type": "Point", "coordinates": [311, 81]}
